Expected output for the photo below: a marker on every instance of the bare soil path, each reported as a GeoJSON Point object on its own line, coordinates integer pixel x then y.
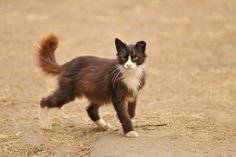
{"type": "Point", "coordinates": [191, 68]}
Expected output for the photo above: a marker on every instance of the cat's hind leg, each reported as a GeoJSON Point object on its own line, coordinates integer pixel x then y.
{"type": "Point", "coordinates": [56, 100]}
{"type": "Point", "coordinates": [93, 114]}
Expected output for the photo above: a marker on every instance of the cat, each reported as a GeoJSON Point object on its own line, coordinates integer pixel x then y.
{"type": "Point", "coordinates": [100, 80]}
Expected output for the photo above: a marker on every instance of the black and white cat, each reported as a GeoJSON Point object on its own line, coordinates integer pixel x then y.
{"type": "Point", "coordinates": [100, 80]}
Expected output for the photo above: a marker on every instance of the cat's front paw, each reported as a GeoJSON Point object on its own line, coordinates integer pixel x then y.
{"type": "Point", "coordinates": [103, 125]}
{"type": "Point", "coordinates": [107, 126]}
{"type": "Point", "coordinates": [131, 134]}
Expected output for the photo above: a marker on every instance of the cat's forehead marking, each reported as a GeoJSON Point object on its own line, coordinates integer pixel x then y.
{"type": "Point", "coordinates": [129, 61]}
{"type": "Point", "coordinates": [131, 50]}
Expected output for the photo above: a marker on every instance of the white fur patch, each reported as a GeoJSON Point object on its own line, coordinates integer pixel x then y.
{"type": "Point", "coordinates": [130, 64]}
{"type": "Point", "coordinates": [43, 118]}
{"type": "Point", "coordinates": [103, 125]}
{"type": "Point", "coordinates": [131, 134]}
{"type": "Point", "coordinates": [132, 78]}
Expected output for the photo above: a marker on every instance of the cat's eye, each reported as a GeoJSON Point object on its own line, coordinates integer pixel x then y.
{"type": "Point", "coordinates": [135, 58]}
{"type": "Point", "coordinates": [124, 58]}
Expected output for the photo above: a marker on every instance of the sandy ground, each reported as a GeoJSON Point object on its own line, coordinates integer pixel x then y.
{"type": "Point", "coordinates": [191, 68]}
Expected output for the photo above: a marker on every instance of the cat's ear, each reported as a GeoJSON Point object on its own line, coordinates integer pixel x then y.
{"type": "Point", "coordinates": [140, 46]}
{"type": "Point", "coordinates": [120, 46]}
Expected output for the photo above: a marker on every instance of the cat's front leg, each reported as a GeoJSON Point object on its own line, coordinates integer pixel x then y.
{"type": "Point", "coordinates": [92, 111]}
{"type": "Point", "coordinates": [123, 115]}
{"type": "Point", "coordinates": [131, 108]}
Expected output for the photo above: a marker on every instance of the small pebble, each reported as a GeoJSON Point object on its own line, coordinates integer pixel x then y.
{"type": "Point", "coordinates": [19, 133]}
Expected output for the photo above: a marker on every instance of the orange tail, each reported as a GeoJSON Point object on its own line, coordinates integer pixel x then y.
{"type": "Point", "coordinates": [46, 57]}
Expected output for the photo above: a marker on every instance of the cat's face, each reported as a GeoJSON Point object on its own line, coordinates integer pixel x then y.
{"type": "Point", "coordinates": [130, 56]}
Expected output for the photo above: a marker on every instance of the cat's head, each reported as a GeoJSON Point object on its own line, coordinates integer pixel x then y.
{"type": "Point", "coordinates": [130, 56]}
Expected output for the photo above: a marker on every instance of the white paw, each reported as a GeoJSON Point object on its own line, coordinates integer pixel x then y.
{"type": "Point", "coordinates": [131, 134]}
{"type": "Point", "coordinates": [103, 125]}
{"type": "Point", "coordinates": [108, 126]}
{"type": "Point", "coordinates": [43, 118]}
{"type": "Point", "coordinates": [46, 126]}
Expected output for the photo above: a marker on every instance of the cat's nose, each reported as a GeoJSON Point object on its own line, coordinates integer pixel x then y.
{"type": "Point", "coordinates": [129, 65]}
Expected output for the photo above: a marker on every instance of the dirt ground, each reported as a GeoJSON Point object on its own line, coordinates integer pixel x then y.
{"type": "Point", "coordinates": [191, 72]}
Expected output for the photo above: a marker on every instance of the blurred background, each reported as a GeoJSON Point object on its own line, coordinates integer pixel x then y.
{"type": "Point", "coordinates": [191, 71]}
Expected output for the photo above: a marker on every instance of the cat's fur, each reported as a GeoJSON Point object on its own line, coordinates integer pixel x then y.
{"type": "Point", "coordinates": [101, 80]}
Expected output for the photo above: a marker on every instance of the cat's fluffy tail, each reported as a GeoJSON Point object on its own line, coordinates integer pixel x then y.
{"type": "Point", "coordinates": [45, 55]}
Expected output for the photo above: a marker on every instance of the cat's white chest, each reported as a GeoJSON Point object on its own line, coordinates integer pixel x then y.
{"type": "Point", "coordinates": [132, 79]}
